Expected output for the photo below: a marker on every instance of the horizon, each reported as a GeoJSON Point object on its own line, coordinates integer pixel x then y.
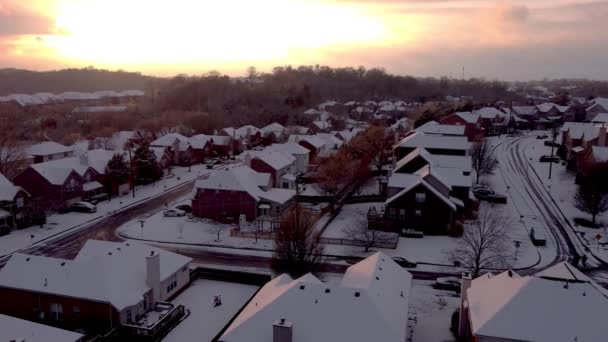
{"type": "Point", "coordinates": [512, 40]}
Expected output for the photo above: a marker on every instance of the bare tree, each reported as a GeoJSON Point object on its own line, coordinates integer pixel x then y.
{"type": "Point", "coordinates": [483, 159]}
{"type": "Point", "coordinates": [12, 155]}
{"type": "Point", "coordinates": [334, 173]}
{"type": "Point", "coordinates": [218, 229]}
{"type": "Point", "coordinates": [591, 198]}
{"type": "Point", "coordinates": [297, 246]}
{"type": "Point", "coordinates": [484, 243]}
{"type": "Point", "coordinates": [361, 233]}
{"type": "Point", "coordinates": [375, 145]}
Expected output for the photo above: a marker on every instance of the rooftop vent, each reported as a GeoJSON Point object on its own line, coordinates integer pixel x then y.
{"type": "Point", "coordinates": [377, 278]}
{"type": "Point", "coordinates": [151, 253]}
{"type": "Point", "coordinates": [327, 290]}
{"type": "Point", "coordinates": [302, 287]}
{"type": "Point", "coordinates": [109, 253]}
{"type": "Point", "coordinates": [510, 274]}
{"type": "Point", "coordinates": [63, 264]}
{"type": "Point", "coordinates": [357, 294]}
{"type": "Point", "coordinates": [27, 259]}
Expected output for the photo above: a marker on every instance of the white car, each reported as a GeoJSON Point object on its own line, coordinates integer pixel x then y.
{"type": "Point", "coordinates": [173, 213]}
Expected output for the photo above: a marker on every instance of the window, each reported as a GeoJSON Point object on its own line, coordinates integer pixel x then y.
{"type": "Point", "coordinates": [285, 185]}
{"type": "Point", "coordinates": [420, 197]}
{"type": "Point", "coordinates": [418, 212]}
{"type": "Point", "coordinates": [76, 311]}
{"type": "Point", "coordinates": [391, 212]}
{"type": "Point", "coordinates": [402, 214]}
{"type": "Point", "coordinates": [51, 157]}
{"type": "Point", "coordinates": [172, 284]}
{"type": "Point", "coordinates": [19, 202]}
{"type": "Point", "coordinates": [66, 154]}
{"type": "Point", "coordinates": [129, 316]}
{"type": "Point", "coordinates": [56, 312]}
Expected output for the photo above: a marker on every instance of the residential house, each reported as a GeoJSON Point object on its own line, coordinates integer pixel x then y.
{"type": "Point", "coordinates": [555, 112]}
{"type": "Point", "coordinates": [230, 192]}
{"type": "Point", "coordinates": [578, 137]}
{"type": "Point", "coordinates": [492, 120]}
{"type": "Point", "coordinates": [557, 304]}
{"type": "Point", "coordinates": [201, 146]}
{"type": "Point", "coordinates": [434, 144]}
{"type": "Point", "coordinates": [49, 150]}
{"type": "Point", "coordinates": [223, 145]}
{"type": "Point", "coordinates": [373, 293]}
{"type": "Point", "coordinates": [319, 126]}
{"type": "Point", "coordinates": [470, 121]}
{"type": "Point", "coordinates": [313, 143]}
{"type": "Point", "coordinates": [98, 159]}
{"type": "Point", "coordinates": [434, 128]}
{"type": "Point", "coordinates": [600, 119]}
{"type": "Point", "coordinates": [334, 107]}
{"type": "Point", "coordinates": [13, 204]}
{"type": "Point", "coordinates": [298, 151]}
{"type": "Point", "coordinates": [525, 112]}
{"type": "Point", "coordinates": [176, 145]}
{"type": "Point", "coordinates": [107, 285]}
{"type": "Point", "coordinates": [299, 130]}
{"type": "Point", "coordinates": [248, 136]}
{"type": "Point", "coordinates": [163, 158]}
{"type": "Point", "coordinates": [331, 142]}
{"type": "Point", "coordinates": [362, 113]}
{"type": "Point", "coordinates": [281, 167]}
{"type": "Point", "coordinates": [274, 133]}
{"type": "Point", "coordinates": [58, 183]}
{"type": "Point", "coordinates": [20, 330]}
{"type": "Point", "coordinates": [599, 105]}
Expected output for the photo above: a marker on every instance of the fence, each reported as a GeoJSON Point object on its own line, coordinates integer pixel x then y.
{"type": "Point", "coordinates": [350, 242]}
{"type": "Point", "coordinates": [159, 328]}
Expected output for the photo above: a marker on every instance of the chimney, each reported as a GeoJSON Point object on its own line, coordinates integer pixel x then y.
{"type": "Point", "coordinates": [463, 321]}
{"type": "Point", "coordinates": [601, 141]}
{"type": "Point", "coordinates": [153, 275]}
{"type": "Point", "coordinates": [282, 331]}
{"type": "Point", "coordinates": [84, 159]}
{"type": "Point", "coordinates": [247, 159]}
{"type": "Point", "coordinates": [215, 132]}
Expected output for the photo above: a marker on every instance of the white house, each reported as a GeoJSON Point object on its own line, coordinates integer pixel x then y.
{"type": "Point", "coordinates": [296, 150]}
{"type": "Point", "coordinates": [49, 150]}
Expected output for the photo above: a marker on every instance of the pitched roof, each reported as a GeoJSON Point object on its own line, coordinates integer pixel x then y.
{"type": "Point", "coordinates": [490, 113]}
{"type": "Point", "coordinates": [407, 182]}
{"type": "Point", "coordinates": [275, 159]}
{"type": "Point", "coordinates": [419, 139]}
{"type": "Point", "coordinates": [47, 148]}
{"type": "Point", "coordinates": [432, 127]}
{"type": "Point", "coordinates": [600, 118]}
{"type": "Point", "coordinates": [315, 141]}
{"type": "Point", "coordinates": [330, 140]}
{"type": "Point", "coordinates": [524, 110]}
{"type": "Point", "coordinates": [291, 148]}
{"type": "Point", "coordinates": [220, 140]}
{"type": "Point", "coordinates": [599, 153]}
{"type": "Point", "coordinates": [468, 116]}
{"type": "Point", "coordinates": [15, 329]}
{"type": "Point", "coordinates": [578, 130]}
{"type": "Point", "coordinates": [8, 191]}
{"type": "Point", "coordinates": [532, 308]}
{"type": "Point", "coordinates": [374, 293]}
{"type": "Point", "coordinates": [98, 159]}
{"type": "Point", "coordinates": [111, 272]}
{"type": "Point", "coordinates": [168, 140]}
{"type": "Point", "coordinates": [275, 128]}
{"type": "Point", "coordinates": [57, 171]}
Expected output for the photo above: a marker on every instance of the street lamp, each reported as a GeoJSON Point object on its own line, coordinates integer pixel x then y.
{"type": "Point", "coordinates": [517, 245]}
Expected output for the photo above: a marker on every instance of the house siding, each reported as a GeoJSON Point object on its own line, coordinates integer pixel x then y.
{"type": "Point", "coordinates": [219, 204]}
{"type": "Point", "coordinates": [49, 196]}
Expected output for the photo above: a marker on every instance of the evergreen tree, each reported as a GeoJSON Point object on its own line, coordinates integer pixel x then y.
{"type": "Point", "coordinates": [119, 172]}
{"type": "Point", "coordinates": [145, 164]}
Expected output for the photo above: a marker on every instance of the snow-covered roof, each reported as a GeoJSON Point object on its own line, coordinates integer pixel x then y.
{"type": "Point", "coordinates": [315, 141]}
{"type": "Point", "coordinates": [275, 159]}
{"type": "Point", "coordinates": [524, 110]}
{"type": "Point", "coordinates": [531, 308]}
{"type": "Point", "coordinates": [374, 293]}
{"type": "Point", "coordinates": [168, 140]}
{"type": "Point", "coordinates": [600, 118]}
{"type": "Point", "coordinates": [321, 124]}
{"type": "Point", "coordinates": [47, 148]}
{"type": "Point", "coordinates": [407, 182]}
{"type": "Point", "coordinates": [312, 111]}
{"type": "Point", "coordinates": [98, 159]}
{"type": "Point", "coordinates": [199, 142]}
{"type": "Point", "coordinates": [563, 271]}
{"type": "Point", "coordinates": [432, 127]}
{"type": "Point", "coordinates": [362, 110]}
{"type": "Point", "coordinates": [599, 153]}
{"type": "Point", "coordinates": [20, 330]}
{"type": "Point", "coordinates": [351, 103]}
{"type": "Point", "coordinates": [277, 195]}
{"type": "Point", "coordinates": [274, 128]}
{"type": "Point", "coordinates": [330, 140]}
{"type": "Point", "coordinates": [57, 171]}
{"type": "Point", "coordinates": [548, 106]}
{"type": "Point", "coordinates": [420, 139]}
{"type": "Point", "coordinates": [600, 103]}
{"type": "Point", "coordinates": [468, 116]}
{"type": "Point", "coordinates": [291, 148]}
{"type": "Point", "coordinates": [91, 186]}
{"type": "Point", "coordinates": [100, 109]}
{"type": "Point", "coordinates": [490, 113]}
{"type": "Point", "coordinates": [159, 152]}
{"type": "Point", "coordinates": [104, 271]}
{"type": "Point", "coordinates": [220, 140]}
{"type": "Point", "coordinates": [242, 178]}
{"type": "Point", "coordinates": [242, 132]}
{"type": "Point", "coordinates": [385, 103]}
{"type": "Point", "coordinates": [578, 130]}
{"type": "Point", "coordinates": [8, 191]}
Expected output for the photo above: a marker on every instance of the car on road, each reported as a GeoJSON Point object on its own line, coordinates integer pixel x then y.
{"type": "Point", "coordinates": [411, 233]}
{"type": "Point", "coordinates": [482, 190]}
{"type": "Point", "coordinates": [173, 213]}
{"type": "Point", "coordinates": [541, 136]}
{"type": "Point", "coordinates": [494, 198]}
{"type": "Point", "coordinates": [447, 283]}
{"type": "Point", "coordinates": [83, 207]}
{"type": "Point", "coordinates": [184, 207]}
{"type": "Point", "coordinates": [403, 262]}
{"type": "Point", "coordinates": [548, 159]}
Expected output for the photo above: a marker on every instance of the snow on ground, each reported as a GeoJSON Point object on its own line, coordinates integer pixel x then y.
{"type": "Point", "coordinates": [562, 188]}
{"type": "Point", "coordinates": [430, 313]}
{"type": "Point", "coordinates": [370, 187]}
{"type": "Point", "coordinates": [205, 321]}
{"type": "Point", "coordinates": [58, 223]}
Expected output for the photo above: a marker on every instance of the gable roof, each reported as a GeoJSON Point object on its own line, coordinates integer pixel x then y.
{"type": "Point", "coordinates": [274, 128]}
{"type": "Point", "coordinates": [275, 159]}
{"type": "Point", "coordinates": [524, 110]}
{"type": "Point", "coordinates": [57, 171]}
{"type": "Point", "coordinates": [47, 148]}
{"type": "Point", "coordinates": [468, 116]}
{"type": "Point", "coordinates": [374, 293]}
{"type": "Point", "coordinates": [103, 271]}
{"type": "Point", "coordinates": [8, 190]}
{"type": "Point", "coordinates": [419, 139]}
{"type": "Point", "coordinates": [290, 147]}
{"type": "Point", "coordinates": [315, 141]}
{"type": "Point", "coordinates": [600, 118]}
{"type": "Point", "coordinates": [168, 140]}
{"type": "Point", "coordinates": [16, 329]}
{"type": "Point", "coordinates": [579, 130]}
{"type": "Point", "coordinates": [433, 127]}
{"type": "Point", "coordinates": [407, 182]}
{"type": "Point", "coordinates": [536, 309]}
{"type": "Point", "coordinates": [220, 140]}
{"type": "Point", "coordinates": [490, 113]}
{"type": "Point", "coordinates": [599, 153]}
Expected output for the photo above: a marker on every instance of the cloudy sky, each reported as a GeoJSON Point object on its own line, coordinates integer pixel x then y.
{"type": "Point", "coordinates": [500, 39]}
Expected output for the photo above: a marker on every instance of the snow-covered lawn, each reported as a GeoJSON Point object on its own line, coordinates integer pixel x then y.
{"type": "Point", "coordinates": [205, 321]}
{"type": "Point", "coordinates": [369, 188]}
{"type": "Point", "coordinates": [430, 313]}
{"type": "Point", "coordinates": [58, 223]}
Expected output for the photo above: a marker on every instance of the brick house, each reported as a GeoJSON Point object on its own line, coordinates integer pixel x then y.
{"type": "Point", "coordinates": [13, 204]}
{"type": "Point", "coordinates": [228, 193]}
{"type": "Point", "coordinates": [248, 136]}
{"type": "Point", "coordinates": [274, 133]}
{"type": "Point", "coordinates": [599, 105]}
{"type": "Point", "coordinates": [492, 120]}
{"type": "Point", "coordinates": [312, 143]}
{"type": "Point", "coordinates": [222, 145]}
{"type": "Point", "coordinates": [578, 138]}
{"type": "Point", "coordinates": [49, 150]}
{"type": "Point", "coordinates": [319, 126]}
{"type": "Point", "coordinates": [281, 167]}
{"type": "Point", "coordinates": [107, 285]}
{"type": "Point", "coordinates": [470, 121]}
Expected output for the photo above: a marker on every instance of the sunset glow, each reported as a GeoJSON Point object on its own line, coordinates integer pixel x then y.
{"type": "Point", "coordinates": [416, 37]}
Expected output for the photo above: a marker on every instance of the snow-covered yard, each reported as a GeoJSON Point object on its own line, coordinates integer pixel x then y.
{"type": "Point", "coordinates": [430, 313]}
{"type": "Point", "coordinates": [206, 321]}
{"type": "Point", "coordinates": [58, 223]}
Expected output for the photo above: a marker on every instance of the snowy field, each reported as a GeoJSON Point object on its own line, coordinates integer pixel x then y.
{"type": "Point", "coordinates": [430, 313]}
{"type": "Point", "coordinates": [205, 321]}
{"type": "Point", "coordinates": [58, 223]}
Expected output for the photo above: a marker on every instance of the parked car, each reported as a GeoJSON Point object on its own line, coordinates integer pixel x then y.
{"type": "Point", "coordinates": [538, 238]}
{"type": "Point", "coordinates": [494, 198]}
{"type": "Point", "coordinates": [185, 208]}
{"type": "Point", "coordinates": [209, 165]}
{"type": "Point", "coordinates": [411, 233]}
{"type": "Point", "coordinates": [548, 159]}
{"type": "Point", "coordinates": [403, 262]}
{"type": "Point", "coordinates": [481, 190]}
{"type": "Point", "coordinates": [541, 136]}
{"type": "Point", "coordinates": [99, 198]}
{"type": "Point", "coordinates": [4, 230]}
{"type": "Point", "coordinates": [447, 283]}
{"type": "Point", "coordinates": [83, 207]}
{"type": "Point", "coordinates": [173, 213]}
{"type": "Point", "coordinates": [551, 143]}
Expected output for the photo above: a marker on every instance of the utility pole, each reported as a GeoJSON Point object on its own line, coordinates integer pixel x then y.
{"type": "Point", "coordinates": [553, 133]}
{"type": "Point", "coordinates": [131, 173]}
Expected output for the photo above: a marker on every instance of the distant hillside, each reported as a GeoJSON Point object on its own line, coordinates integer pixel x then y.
{"type": "Point", "coordinates": [16, 81]}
